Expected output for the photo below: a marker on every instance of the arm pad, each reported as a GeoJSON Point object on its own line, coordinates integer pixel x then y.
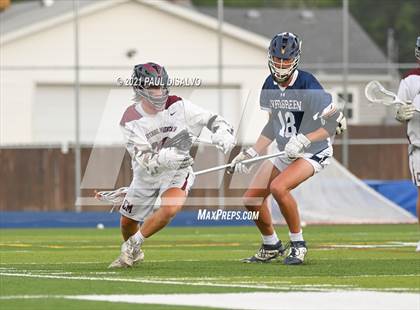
{"type": "Point", "coordinates": [330, 118]}
{"type": "Point", "coordinates": [217, 122]}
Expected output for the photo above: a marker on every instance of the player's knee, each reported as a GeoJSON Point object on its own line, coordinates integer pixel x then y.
{"type": "Point", "coordinates": [250, 201]}
{"type": "Point", "coordinates": [170, 211]}
{"type": "Point", "coordinates": [278, 189]}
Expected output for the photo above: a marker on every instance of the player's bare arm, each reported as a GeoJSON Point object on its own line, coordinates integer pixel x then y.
{"type": "Point", "coordinates": [264, 140]}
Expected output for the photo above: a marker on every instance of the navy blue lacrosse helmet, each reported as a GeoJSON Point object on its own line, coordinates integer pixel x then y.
{"type": "Point", "coordinates": [285, 46]}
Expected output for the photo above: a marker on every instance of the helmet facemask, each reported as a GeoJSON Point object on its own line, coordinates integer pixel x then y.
{"type": "Point", "coordinates": [276, 68]}
{"type": "Point", "coordinates": [156, 95]}
{"type": "Point", "coordinates": [417, 49]}
{"type": "Point", "coordinates": [150, 82]}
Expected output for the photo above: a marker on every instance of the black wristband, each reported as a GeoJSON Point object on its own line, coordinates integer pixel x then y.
{"type": "Point", "coordinates": [210, 122]}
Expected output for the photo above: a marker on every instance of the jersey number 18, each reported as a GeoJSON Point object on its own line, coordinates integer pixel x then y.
{"type": "Point", "coordinates": [288, 124]}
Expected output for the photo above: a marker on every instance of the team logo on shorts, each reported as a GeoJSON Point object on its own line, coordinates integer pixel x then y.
{"type": "Point", "coordinates": [126, 206]}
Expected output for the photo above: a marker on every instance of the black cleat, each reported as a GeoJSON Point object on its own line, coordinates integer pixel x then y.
{"type": "Point", "coordinates": [297, 253]}
{"type": "Point", "coordinates": [266, 253]}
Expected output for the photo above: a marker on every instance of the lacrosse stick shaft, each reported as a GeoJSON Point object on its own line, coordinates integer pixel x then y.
{"type": "Point", "coordinates": [202, 140]}
{"type": "Point", "coordinates": [247, 161]}
{"type": "Point", "coordinates": [112, 196]}
{"type": "Point", "coordinates": [205, 141]}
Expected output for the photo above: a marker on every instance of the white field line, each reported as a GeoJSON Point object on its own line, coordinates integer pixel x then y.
{"type": "Point", "coordinates": [370, 246]}
{"type": "Point", "coordinates": [337, 300]}
{"type": "Point", "coordinates": [136, 280]}
{"type": "Point", "coordinates": [58, 263]}
{"type": "Point", "coordinates": [283, 286]}
{"type": "Point", "coordinates": [389, 244]}
{"type": "Point", "coordinates": [16, 251]}
{"type": "Point", "coordinates": [171, 260]}
{"type": "Point", "coordinates": [11, 297]}
{"type": "Point", "coordinates": [107, 262]}
{"type": "Point", "coordinates": [58, 272]}
{"type": "Point", "coordinates": [165, 245]}
{"type": "Point", "coordinates": [358, 258]}
{"type": "Point", "coordinates": [322, 247]}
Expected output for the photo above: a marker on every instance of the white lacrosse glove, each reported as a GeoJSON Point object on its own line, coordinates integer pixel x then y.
{"type": "Point", "coordinates": [296, 146]}
{"type": "Point", "coordinates": [222, 135]}
{"type": "Point", "coordinates": [237, 166]}
{"type": "Point", "coordinates": [223, 140]}
{"type": "Point", "coordinates": [172, 159]}
{"type": "Point", "coordinates": [342, 124]}
{"type": "Point", "coordinates": [405, 112]}
{"type": "Point", "coordinates": [167, 159]}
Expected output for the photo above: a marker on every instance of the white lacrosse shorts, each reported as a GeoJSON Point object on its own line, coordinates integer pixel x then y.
{"type": "Point", "coordinates": [144, 197]}
{"type": "Point", "coordinates": [318, 161]}
{"type": "Point", "coordinates": [414, 162]}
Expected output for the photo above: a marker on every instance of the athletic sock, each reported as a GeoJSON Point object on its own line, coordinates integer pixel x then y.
{"type": "Point", "coordinates": [296, 236]}
{"type": "Point", "coordinates": [270, 239]}
{"type": "Point", "coordinates": [138, 237]}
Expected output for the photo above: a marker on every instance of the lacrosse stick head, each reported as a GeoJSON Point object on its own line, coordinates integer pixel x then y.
{"type": "Point", "coordinates": [376, 93]}
{"type": "Point", "coordinates": [115, 197]}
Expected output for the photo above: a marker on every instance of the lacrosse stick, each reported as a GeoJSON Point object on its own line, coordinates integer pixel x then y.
{"type": "Point", "coordinates": [247, 161]}
{"type": "Point", "coordinates": [204, 141]}
{"type": "Point", "coordinates": [197, 140]}
{"type": "Point", "coordinates": [117, 196]}
{"type": "Point", "coordinates": [376, 93]}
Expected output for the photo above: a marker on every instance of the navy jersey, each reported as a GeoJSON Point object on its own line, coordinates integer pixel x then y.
{"type": "Point", "coordinates": [296, 108]}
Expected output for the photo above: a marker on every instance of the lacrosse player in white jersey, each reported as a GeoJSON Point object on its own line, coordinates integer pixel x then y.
{"type": "Point", "coordinates": [159, 131]}
{"type": "Point", "coordinates": [409, 91]}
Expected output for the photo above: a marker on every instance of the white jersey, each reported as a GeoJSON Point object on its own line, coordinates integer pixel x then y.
{"type": "Point", "coordinates": [146, 132]}
{"type": "Point", "coordinates": [409, 90]}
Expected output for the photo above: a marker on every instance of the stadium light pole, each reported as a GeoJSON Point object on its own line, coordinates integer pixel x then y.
{"type": "Point", "coordinates": [220, 157]}
{"type": "Point", "coordinates": [390, 50]}
{"type": "Point", "coordinates": [77, 177]}
{"type": "Point", "coordinates": [392, 53]}
{"type": "Point", "coordinates": [345, 137]}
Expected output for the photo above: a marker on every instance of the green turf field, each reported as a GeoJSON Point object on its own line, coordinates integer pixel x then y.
{"type": "Point", "coordinates": [46, 264]}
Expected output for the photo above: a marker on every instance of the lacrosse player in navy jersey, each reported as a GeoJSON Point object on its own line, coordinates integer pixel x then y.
{"type": "Point", "coordinates": [302, 120]}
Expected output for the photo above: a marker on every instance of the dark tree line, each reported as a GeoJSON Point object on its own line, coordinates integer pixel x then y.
{"type": "Point", "coordinates": [375, 16]}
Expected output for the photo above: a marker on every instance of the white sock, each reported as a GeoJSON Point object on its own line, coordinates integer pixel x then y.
{"type": "Point", "coordinates": [270, 239]}
{"type": "Point", "coordinates": [138, 237]}
{"type": "Point", "coordinates": [296, 236]}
